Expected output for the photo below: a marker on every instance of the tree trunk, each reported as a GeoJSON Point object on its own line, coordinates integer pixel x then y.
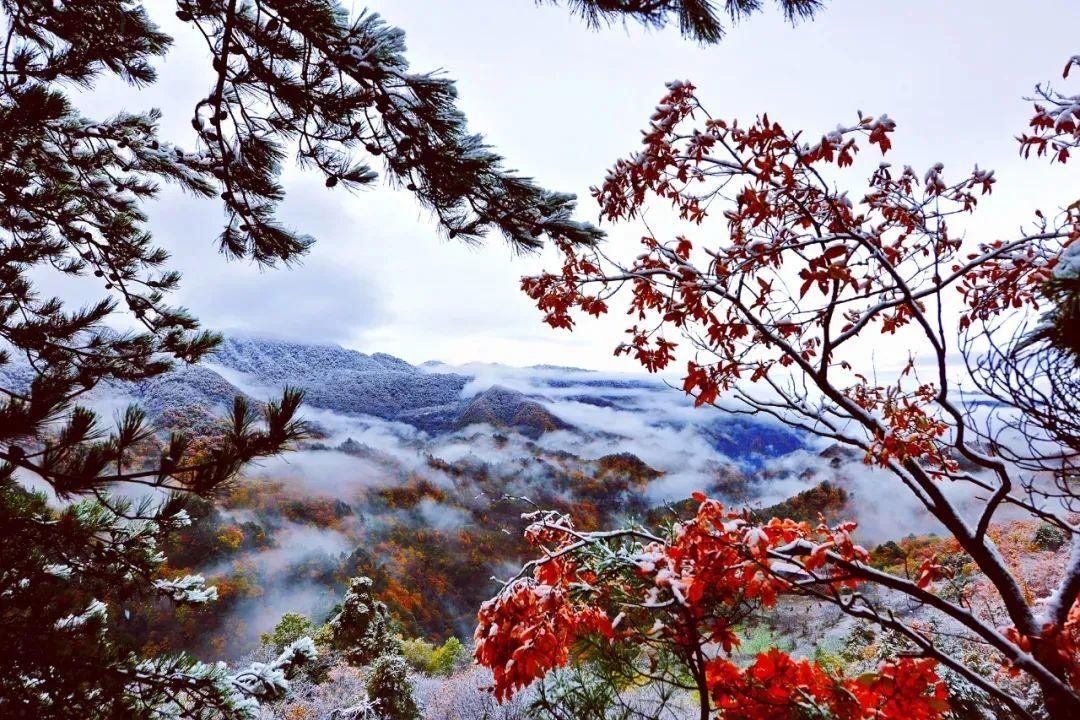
{"type": "Point", "coordinates": [1060, 705]}
{"type": "Point", "coordinates": [1061, 708]}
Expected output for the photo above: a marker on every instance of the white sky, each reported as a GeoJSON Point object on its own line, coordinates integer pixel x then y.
{"type": "Point", "coordinates": [561, 103]}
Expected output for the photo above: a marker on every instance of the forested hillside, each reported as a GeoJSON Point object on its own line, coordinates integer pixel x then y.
{"type": "Point", "coordinates": [422, 491]}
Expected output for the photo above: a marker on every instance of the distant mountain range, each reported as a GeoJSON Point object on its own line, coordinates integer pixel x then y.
{"type": "Point", "coordinates": [433, 398]}
{"type": "Point", "coordinates": [333, 378]}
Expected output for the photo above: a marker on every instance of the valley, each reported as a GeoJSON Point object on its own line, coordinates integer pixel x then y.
{"type": "Point", "coordinates": [418, 477]}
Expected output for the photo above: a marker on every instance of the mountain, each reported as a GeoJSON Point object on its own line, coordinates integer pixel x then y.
{"type": "Point", "coordinates": [333, 378]}
{"type": "Point", "coordinates": [438, 399]}
{"type": "Point", "coordinates": [382, 386]}
{"type": "Point", "coordinates": [504, 408]}
{"type": "Point", "coordinates": [753, 443]}
{"type": "Point", "coordinates": [346, 381]}
{"type": "Point", "coordinates": [420, 477]}
{"type": "Point", "coordinates": [430, 528]}
{"type": "Point", "coordinates": [191, 398]}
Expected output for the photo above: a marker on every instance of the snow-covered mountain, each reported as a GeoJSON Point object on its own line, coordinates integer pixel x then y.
{"type": "Point", "coordinates": [439, 399]}
{"type": "Point", "coordinates": [656, 420]}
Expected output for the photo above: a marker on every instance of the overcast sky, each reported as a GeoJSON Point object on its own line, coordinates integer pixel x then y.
{"type": "Point", "coordinates": [561, 103]}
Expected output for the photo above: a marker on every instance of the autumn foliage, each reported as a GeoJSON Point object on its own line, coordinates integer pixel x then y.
{"type": "Point", "coordinates": [686, 591]}
{"type": "Point", "coordinates": [777, 686]}
{"type": "Point", "coordinates": [779, 313]}
{"type": "Point", "coordinates": [529, 631]}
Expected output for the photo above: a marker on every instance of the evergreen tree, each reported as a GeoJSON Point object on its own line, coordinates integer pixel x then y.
{"type": "Point", "coordinates": [361, 630]}
{"type": "Point", "coordinates": [701, 20]}
{"type": "Point", "coordinates": [294, 627]}
{"type": "Point", "coordinates": [388, 687]}
{"type": "Point", "coordinates": [1060, 326]}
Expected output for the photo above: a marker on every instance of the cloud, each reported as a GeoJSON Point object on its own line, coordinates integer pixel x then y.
{"type": "Point", "coordinates": [442, 517]}
{"type": "Point", "coordinates": [325, 472]}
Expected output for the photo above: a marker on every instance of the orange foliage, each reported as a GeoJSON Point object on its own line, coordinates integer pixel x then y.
{"type": "Point", "coordinates": [779, 687]}
{"type": "Point", "coordinates": [685, 591]}
{"type": "Point", "coordinates": [528, 631]}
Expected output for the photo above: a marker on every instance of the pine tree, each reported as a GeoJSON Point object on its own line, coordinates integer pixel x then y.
{"type": "Point", "coordinates": [1060, 326]}
{"type": "Point", "coordinates": [361, 629]}
{"type": "Point", "coordinates": [388, 687]}
{"type": "Point", "coordinates": [700, 20]}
